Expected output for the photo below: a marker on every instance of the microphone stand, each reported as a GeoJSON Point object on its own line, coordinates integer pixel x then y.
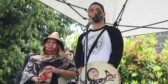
{"type": "Point", "coordinates": [86, 50]}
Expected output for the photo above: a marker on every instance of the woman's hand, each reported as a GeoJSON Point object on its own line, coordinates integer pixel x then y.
{"type": "Point", "coordinates": [79, 70]}
{"type": "Point", "coordinates": [53, 69]}
{"type": "Point", "coordinates": [64, 73]}
{"type": "Point", "coordinates": [36, 80]}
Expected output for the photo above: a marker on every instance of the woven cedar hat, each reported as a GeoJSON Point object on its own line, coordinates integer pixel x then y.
{"type": "Point", "coordinates": [55, 36]}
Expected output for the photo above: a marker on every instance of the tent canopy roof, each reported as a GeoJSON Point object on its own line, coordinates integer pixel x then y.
{"type": "Point", "coordinates": [134, 17]}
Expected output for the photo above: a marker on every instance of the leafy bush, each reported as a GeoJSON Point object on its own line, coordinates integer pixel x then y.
{"type": "Point", "coordinates": [141, 64]}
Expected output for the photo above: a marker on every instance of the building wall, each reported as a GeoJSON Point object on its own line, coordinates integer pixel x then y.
{"type": "Point", "coordinates": [161, 40]}
{"type": "Point", "coordinates": [161, 37]}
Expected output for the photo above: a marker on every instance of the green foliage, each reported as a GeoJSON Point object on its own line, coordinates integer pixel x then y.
{"type": "Point", "coordinates": [71, 41]}
{"type": "Point", "coordinates": [23, 24]}
{"type": "Point", "coordinates": [141, 64]}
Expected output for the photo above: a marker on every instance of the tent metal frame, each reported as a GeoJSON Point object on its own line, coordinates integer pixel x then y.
{"type": "Point", "coordinates": [118, 20]}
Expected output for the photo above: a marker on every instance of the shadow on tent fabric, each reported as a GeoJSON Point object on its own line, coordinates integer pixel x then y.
{"type": "Point", "coordinates": [19, 74]}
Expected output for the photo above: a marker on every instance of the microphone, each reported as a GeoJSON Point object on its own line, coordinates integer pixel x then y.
{"type": "Point", "coordinates": [89, 23]}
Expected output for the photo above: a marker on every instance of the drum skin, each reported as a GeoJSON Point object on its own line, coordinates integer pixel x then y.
{"type": "Point", "coordinates": [99, 73]}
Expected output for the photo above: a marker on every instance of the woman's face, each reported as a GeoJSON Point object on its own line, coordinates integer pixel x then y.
{"type": "Point", "coordinates": [51, 46]}
{"type": "Point", "coordinates": [69, 55]}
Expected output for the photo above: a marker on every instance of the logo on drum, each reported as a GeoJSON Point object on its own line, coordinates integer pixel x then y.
{"type": "Point", "coordinates": [93, 76]}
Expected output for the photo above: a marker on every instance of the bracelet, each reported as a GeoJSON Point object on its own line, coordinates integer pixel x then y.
{"type": "Point", "coordinates": [77, 73]}
{"type": "Point", "coordinates": [59, 71]}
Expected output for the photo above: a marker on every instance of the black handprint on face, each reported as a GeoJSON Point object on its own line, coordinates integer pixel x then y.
{"type": "Point", "coordinates": [98, 17]}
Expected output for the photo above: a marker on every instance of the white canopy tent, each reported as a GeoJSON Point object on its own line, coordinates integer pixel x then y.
{"type": "Point", "coordinates": [133, 17]}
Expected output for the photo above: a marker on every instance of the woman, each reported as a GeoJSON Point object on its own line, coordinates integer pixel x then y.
{"type": "Point", "coordinates": [51, 67]}
{"type": "Point", "coordinates": [69, 53]}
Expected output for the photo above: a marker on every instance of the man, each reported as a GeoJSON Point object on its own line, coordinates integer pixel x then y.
{"type": "Point", "coordinates": [109, 46]}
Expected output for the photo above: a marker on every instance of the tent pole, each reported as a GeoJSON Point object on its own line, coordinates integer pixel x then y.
{"type": "Point", "coordinates": [116, 23]}
{"type": "Point", "coordinates": [164, 28]}
{"type": "Point", "coordinates": [145, 26]}
{"type": "Point", "coordinates": [71, 6]}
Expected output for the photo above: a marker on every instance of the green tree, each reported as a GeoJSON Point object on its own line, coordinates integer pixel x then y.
{"type": "Point", "coordinates": [23, 24]}
{"type": "Point", "coordinates": [71, 41]}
